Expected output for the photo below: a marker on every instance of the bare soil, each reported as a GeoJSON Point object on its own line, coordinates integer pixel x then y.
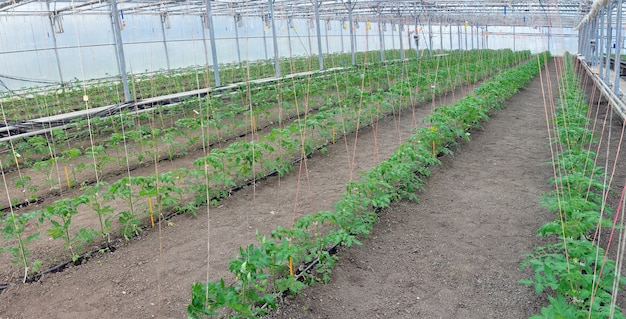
{"type": "Point", "coordinates": [457, 253]}
{"type": "Point", "coordinates": [454, 255]}
{"type": "Point", "coordinates": [150, 276]}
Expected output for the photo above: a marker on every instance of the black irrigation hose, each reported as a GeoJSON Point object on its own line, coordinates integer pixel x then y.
{"type": "Point", "coordinates": [111, 245]}
{"type": "Point", "coordinates": [23, 204]}
{"type": "Point", "coordinates": [164, 158]}
{"type": "Point", "coordinates": [331, 250]}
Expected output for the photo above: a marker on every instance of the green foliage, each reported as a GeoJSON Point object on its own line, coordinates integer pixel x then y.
{"type": "Point", "coordinates": [59, 216]}
{"type": "Point", "coordinates": [96, 197]}
{"type": "Point", "coordinates": [261, 270]}
{"type": "Point", "coordinates": [13, 226]}
{"type": "Point", "coordinates": [582, 284]}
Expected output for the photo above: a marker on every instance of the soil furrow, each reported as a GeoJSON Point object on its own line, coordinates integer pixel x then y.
{"type": "Point", "coordinates": [151, 275]}
{"type": "Point", "coordinates": [455, 254]}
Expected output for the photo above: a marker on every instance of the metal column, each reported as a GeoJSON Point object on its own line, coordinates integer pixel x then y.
{"type": "Point", "coordinates": [430, 37]}
{"type": "Point", "coordinates": [609, 40]}
{"type": "Point", "coordinates": [326, 35]}
{"type": "Point", "coordinates": [289, 25]}
{"type": "Point", "coordinates": [209, 17]}
{"type": "Point", "coordinates": [236, 17]}
{"type": "Point", "coordinates": [591, 36]}
{"type": "Point", "coordinates": [341, 36]}
{"type": "Point", "coordinates": [167, 55]}
{"type": "Point", "coordinates": [549, 28]}
{"type": "Point", "coordinates": [205, 24]}
{"type": "Point", "coordinates": [320, 56]}
{"type": "Point", "coordinates": [352, 40]}
{"type": "Point", "coordinates": [440, 38]}
{"type": "Point", "coordinates": [393, 36]}
{"type": "Point", "coordinates": [450, 30]}
{"type": "Point", "coordinates": [477, 38]}
{"type": "Point", "coordinates": [400, 27]}
{"type": "Point", "coordinates": [599, 45]}
{"type": "Point", "coordinates": [276, 58]}
{"type": "Point", "coordinates": [486, 37]}
{"type": "Point", "coordinates": [308, 35]}
{"type": "Point", "coordinates": [618, 48]}
{"type": "Point", "coordinates": [381, 39]}
{"type": "Point", "coordinates": [514, 39]}
{"type": "Point", "coordinates": [264, 38]}
{"type": "Point", "coordinates": [459, 35]}
{"type": "Point", "coordinates": [466, 47]}
{"type": "Point", "coordinates": [119, 47]}
{"type": "Point", "coordinates": [54, 43]}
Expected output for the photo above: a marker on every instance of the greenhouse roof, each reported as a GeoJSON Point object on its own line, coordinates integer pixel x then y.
{"type": "Point", "coordinates": [554, 13]}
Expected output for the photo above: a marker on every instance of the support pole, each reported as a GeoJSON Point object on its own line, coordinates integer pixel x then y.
{"type": "Point", "coordinates": [549, 30]}
{"type": "Point", "coordinates": [320, 55]}
{"type": "Point", "coordinates": [486, 37]}
{"type": "Point", "coordinates": [308, 35]}
{"type": "Point", "coordinates": [237, 40]}
{"type": "Point", "coordinates": [341, 36]}
{"type": "Point", "coordinates": [592, 36]}
{"type": "Point", "coordinates": [600, 45]}
{"type": "Point", "coordinates": [440, 38]}
{"type": "Point", "coordinates": [326, 36]}
{"type": "Point", "coordinates": [393, 37]}
{"type": "Point", "coordinates": [206, 49]}
{"type": "Point", "coordinates": [459, 35]}
{"type": "Point", "coordinates": [415, 36]}
{"type": "Point", "coordinates": [352, 40]}
{"type": "Point", "coordinates": [381, 39]}
{"type": "Point", "coordinates": [430, 37]}
{"type": "Point", "coordinates": [477, 38]}
{"type": "Point", "coordinates": [466, 47]}
{"type": "Point", "coordinates": [580, 35]}
{"type": "Point", "coordinates": [609, 40]}
{"type": "Point", "coordinates": [276, 57]}
{"type": "Point", "coordinates": [400, 27]}
{"type": "Point", "coordinates": [450, 30]}
{"type": "Point", "coordinates": [264, 39]}
{"type": "Point", "coordinates": [514, 49]}
{"type": "Point", "coordinates": [367, 38]}
{"type": "Point", "coordinates": [216, 70]}
{"type": "Point", "coordinates": [167, 55]}
{"type": "Point", "coordinates": [54, 43]}
{"type": "Point", "coordinates": [618, 49]}
{"type": "Point", "coordinates": [289, 24]}
{"type": "Point", "coordinates": [119, 46]}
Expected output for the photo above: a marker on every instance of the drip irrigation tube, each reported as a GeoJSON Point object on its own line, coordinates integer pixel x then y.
{"type": "Point", "coordinates": [111, 246]}
{"type": "Point", "coordinates": [164, 158]}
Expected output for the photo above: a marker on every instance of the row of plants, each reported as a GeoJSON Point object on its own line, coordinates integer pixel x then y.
{"type": "Point", "coordinates": [33, 103]}
{"type": "Point", "coordinates": [152, 197]}
{"type": "Point", "coordinates": [577, 275]}
{"type": "Point", "coordinates": [176, 127]}
{"type": "Point", "coordinates": [265, 270]}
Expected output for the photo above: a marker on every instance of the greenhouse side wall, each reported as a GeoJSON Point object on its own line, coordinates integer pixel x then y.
{"type": "Point", "coordinates": [86, 50]}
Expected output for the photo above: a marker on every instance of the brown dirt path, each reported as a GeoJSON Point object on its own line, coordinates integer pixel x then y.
{"type": "Point", "coordinates": [151, 276]}
{"type": "Point", "coordinates": [455, 254]}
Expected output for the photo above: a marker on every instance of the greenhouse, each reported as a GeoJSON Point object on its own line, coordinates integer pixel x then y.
{"type": "Point", "coordinates": [312, 159]}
